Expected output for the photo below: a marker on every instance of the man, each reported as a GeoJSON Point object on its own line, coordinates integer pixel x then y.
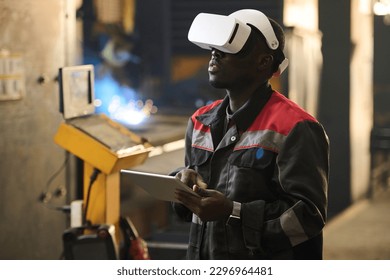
{"type": "Point", "coordinates": [257, 161]}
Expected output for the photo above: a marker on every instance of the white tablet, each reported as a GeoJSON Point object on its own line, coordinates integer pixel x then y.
{"type": "Point", "coordinates": [159, 186]}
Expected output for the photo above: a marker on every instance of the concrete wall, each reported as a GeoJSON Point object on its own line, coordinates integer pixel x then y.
{"type": "Point", "coordinates": [36, 32]}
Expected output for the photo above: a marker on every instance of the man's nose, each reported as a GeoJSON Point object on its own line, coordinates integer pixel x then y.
{"type": "Point", "coordinates": [217, 53]}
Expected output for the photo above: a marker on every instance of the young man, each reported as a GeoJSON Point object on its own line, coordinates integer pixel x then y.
{"type": "Point", "coordinates": [258, 162]}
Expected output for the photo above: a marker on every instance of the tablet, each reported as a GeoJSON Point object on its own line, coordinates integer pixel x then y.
{"type": "Point", "coordinates": [159, 186]}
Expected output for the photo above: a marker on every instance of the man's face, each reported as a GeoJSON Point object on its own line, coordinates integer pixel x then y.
{"type": "Point", "coordinates": [234, 71]}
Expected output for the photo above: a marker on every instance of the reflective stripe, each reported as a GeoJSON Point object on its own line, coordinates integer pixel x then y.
{"type": "Point", "coordinates": [268, 139]}
{"type": "Point", "coordinates": [292, 227]}
{"type": "Point", "coordinates": [196, 219]}
{"type": "Point", "coordinates": [202, 140]}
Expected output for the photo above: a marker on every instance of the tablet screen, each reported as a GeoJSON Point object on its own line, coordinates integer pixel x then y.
{"type": "Point", "coordinates": [159, 186]}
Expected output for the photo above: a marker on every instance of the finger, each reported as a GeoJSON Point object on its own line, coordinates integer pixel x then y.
{"type": "Point", "coordinates": [201, 191]}
{"type": "Point", "coordinates": [184, 194]}
{"type": "Point", "coordinates": [200, 183]}
{"type": "Point", "coordinates": [191, 201]}
{"type": "Point", "coordinates": [178, 175]}
{"type": "Point", "coordinates": [187, 177]}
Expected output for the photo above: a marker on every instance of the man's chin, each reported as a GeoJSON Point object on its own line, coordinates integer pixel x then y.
{"type": "Point", "coordinates": [216, 84]}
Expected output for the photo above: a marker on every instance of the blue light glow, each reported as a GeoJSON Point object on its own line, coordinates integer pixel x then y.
{"type": "Point", "coordinates": [119, 102]}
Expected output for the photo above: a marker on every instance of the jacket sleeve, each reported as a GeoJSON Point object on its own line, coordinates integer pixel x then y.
{"type": "Point", "coordinates": [183, 212]}
{"type": "Point", "coordinates": [301, 179]}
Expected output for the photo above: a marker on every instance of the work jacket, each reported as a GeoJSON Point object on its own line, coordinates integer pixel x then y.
{"type": "Point", "coordinates": [273, 159]}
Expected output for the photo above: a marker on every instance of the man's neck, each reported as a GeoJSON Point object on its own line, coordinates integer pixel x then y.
{"type": "Point", "coordinates": [238, 98]}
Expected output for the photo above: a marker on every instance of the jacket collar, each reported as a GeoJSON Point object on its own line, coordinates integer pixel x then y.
{"type": "Point", "coordinates": [244, 117]}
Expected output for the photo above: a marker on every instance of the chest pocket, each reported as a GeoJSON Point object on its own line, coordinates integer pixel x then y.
{"type": "Point", "coordinates": [199, 162]}
{"type": "Point", "coordinates": [199, 156]}
{"type": "Point", "coordinates": [250, 174]}
{"type": "Point", "coordinates": [257, 158]}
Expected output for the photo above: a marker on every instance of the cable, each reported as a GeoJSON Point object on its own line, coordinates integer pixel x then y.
{"type": "Point", "coordinates": [63, 208]}
{"type": "Point", "coordinates": [92, 179]}
{"type": "Point", "coordinates": [48, 183]}
{"type": "Point", "coordinates": [47, 195]}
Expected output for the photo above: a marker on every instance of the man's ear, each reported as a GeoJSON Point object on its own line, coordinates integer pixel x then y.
{"type": "Point", "coordinates": [265, 62]}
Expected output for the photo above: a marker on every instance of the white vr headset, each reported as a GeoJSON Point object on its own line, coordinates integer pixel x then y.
{"type": "Point", "coordinates": [230, 33]}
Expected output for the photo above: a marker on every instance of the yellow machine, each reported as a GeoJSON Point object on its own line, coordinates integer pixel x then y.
{"type": "Point", "coordinates": [104, 198]}
{"type": "Point", "coordinates": [104, 145]}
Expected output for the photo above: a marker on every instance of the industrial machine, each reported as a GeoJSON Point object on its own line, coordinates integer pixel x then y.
{"type": "Point", "coordinates": [105, 147]}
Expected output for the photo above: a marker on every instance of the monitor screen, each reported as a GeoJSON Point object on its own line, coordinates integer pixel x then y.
{"type": "Point", "coordinates": [76, 91]}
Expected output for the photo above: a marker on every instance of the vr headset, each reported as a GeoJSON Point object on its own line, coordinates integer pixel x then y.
{"type": "Point", "coordinates": [230, 33]}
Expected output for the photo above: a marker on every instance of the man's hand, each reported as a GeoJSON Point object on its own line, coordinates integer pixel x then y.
{"type": "Point", "coordinates": [210, 205]}
{"type": "Point", "coordinates": [191, 177]}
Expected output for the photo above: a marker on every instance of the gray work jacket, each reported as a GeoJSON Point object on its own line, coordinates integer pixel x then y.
{"type": "Point", "coordinates": [274, 160]}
